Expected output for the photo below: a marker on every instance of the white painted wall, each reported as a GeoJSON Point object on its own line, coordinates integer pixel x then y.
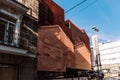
{"type": "Point", "coordinates": [110, 52]}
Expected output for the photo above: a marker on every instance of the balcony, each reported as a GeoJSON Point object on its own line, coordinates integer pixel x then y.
{"type": "Point", "coordinates": [24, 42]}
{"type": "Point", "coordinates": [8, 38]}
{"type": "Point", "coordinates": [25, 47]}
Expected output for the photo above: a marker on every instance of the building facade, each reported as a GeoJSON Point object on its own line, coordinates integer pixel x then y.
{"type": "Point", "coordinates": [69, 59]}
{"type": "Point", "coordinates": [59, 52]}
{"type": "Point", "coordinates": [52, 14]}
{"type": "Point", "coordinates": [110, 59]}
{"type": "Point", "coordinates": [57, 48]}
{"type": "Point", "coordinates": [81, 45]}
{"type": "Point", "coordinates": [18, 39]}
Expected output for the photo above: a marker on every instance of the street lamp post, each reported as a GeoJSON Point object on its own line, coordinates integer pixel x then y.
{"type": "Point", "coordinates": [96, 51]}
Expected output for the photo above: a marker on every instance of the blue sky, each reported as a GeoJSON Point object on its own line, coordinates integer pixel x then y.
{"type": "Point", "coordinates": [105, 14]}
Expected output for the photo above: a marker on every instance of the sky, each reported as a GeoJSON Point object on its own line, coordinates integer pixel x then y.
{"type": "Point", "coordinates": [105, 14]}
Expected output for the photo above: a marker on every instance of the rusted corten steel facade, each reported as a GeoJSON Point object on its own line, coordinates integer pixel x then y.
{"type": "Point", "coordinates": [50, 13]}
{"type": "Point", "coordinates": [81, 45]}
{"type": "Point", "coordinates": [77, 35]}
{"type": "Point", "coordinates": [56, 50]}
{"type": "Point", "coordinates": [55, 47]}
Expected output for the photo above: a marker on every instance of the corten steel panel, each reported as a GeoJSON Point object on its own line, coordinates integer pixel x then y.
{"type": "Point", "coordinates": [55, 49]}
{"type": "Point", "coordinates": [82, 56]}
{"type": "Point", "coordinates": [77, 35]}
{"type": "Point", "coordinates": [50, 13]}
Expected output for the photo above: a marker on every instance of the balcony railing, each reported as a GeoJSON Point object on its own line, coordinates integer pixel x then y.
{"type": "Point", "coordinates": [8, 37]}
{"type": "Point", "coordinates": [24, 41]}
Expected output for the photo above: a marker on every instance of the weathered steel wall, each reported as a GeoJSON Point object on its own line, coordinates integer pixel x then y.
{"type": "Point", "coordinates": [82, 56]}
{"type": "Point", "coordinates": [82, 46]}
{"type": "Point", "coordinates": [55, 50]}
{"type": "Point", "coordinates": [77, 35]}
{"type": "Point", "coordinates": [50, 13]}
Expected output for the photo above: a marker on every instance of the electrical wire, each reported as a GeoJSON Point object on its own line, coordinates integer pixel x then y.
{"type": "Point", "coordinates": [75, 6]}
{"type": "Point", "coordinates": [85, 8]}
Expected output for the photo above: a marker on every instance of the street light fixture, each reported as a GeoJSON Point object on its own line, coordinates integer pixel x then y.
{"type": "Point", "coordinates": [95, 28]}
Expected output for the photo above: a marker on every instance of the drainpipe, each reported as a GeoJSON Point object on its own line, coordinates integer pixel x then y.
{"type": "Point", "coordinates": [17, 31]}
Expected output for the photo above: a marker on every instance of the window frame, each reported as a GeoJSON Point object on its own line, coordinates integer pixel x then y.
{"type": "Point", "coordinates": [8, 23]}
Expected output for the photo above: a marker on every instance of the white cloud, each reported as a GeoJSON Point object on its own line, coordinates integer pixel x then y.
{"type": "Point", "coordinates": [106, 37]}
{"type": "Point", "coordinates": [103, 37]}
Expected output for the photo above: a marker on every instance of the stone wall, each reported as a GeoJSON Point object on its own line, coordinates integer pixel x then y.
{"type": "Point", "coordinates": [33, 6]}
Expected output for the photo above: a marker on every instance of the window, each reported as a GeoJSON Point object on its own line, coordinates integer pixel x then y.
{"type": "Point", "coordinates": [7, 30]}
{"type": "Point", "coordinates": [2, 30]}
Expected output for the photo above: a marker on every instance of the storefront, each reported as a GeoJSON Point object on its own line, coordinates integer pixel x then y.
{"type": "Point", "coordinates": [15, 67]}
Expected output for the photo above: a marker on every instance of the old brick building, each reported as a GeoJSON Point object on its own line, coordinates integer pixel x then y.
{"type": "Point", "coordinates": [18, 39]}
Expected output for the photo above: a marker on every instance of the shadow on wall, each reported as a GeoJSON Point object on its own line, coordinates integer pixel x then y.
{"type": "Point", "coordinates": [51, 13]}
{"type": "Point", "coordinates": [46, 15]}
{"type": "Point", "coordinates": [56, 51]}
{"type": "Point", "coordinates": [82, 56]}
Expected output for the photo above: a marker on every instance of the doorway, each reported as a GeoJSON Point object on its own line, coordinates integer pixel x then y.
{"type": "Point", "coordinates": [8, 72]}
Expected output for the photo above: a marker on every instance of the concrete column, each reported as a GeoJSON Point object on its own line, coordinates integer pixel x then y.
{"type": "Point", "coordinates": [17, 31]}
